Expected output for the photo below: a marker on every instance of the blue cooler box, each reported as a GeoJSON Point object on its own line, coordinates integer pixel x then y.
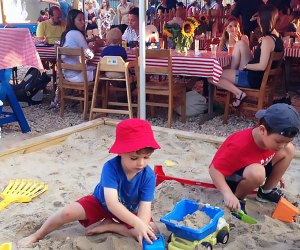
{"type": "Point", "coordinates": [185, 207]}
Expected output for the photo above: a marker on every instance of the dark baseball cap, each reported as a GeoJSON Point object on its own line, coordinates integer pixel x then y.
{"type": "Point", "coordinates": [282, 118]}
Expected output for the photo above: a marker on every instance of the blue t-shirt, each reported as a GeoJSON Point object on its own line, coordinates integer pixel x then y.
{"type": "Point", "coordinates": [114, 50]}
{"type": "Point", "coordinates": [130, 193]}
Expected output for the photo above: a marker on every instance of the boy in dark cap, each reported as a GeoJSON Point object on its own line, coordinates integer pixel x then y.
{"type": "Point", "coordinates": [256, 157]}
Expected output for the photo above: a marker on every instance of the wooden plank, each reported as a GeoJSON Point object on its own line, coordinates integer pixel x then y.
{"type": "Point", "coordinates": [43, 141]}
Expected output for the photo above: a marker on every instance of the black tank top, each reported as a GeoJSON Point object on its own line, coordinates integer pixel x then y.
{"type": "Point", "coordinates": [255, 77]}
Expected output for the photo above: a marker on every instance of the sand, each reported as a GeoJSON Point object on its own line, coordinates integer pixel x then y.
{"type": "Point", "coordinates": [72, 169]}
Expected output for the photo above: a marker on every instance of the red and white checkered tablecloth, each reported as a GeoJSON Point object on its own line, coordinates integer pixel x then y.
{"type": "Point", "coordinates": [17, 49]}
{"type": "Point", "coordinates": [292, 52]}
{"type": "Point", "coordinates": [204, 65]}
{"type": "Point", "coordinates": [47, 53]}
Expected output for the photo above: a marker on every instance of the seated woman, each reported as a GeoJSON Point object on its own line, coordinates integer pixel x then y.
{"type": "Point", "coordinates": [249, 73]}
{"type": "Point", "coordinates": [74, 37]}
{"type": "Point", "coordinates": [231, 34]}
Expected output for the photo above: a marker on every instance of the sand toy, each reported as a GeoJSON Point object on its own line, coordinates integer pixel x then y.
{"type": "Point", "coordinates": [285, 211]}
{"type": "Point", "coordinates": [21, 191]}
{"type": "Point", "coordinates": [6, 246]}
{"type": "Point", "coordinates": [187, 238]}
{"type": "Point", "coordinates": [158, 244]}
{"type": "Point", "coordinates": [160, 177]}
{"type": "Point", "coordinates": [244, 217]}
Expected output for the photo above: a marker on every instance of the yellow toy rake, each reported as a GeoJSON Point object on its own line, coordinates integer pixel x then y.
{"type": "Point", "coordinates": [21, 191]}
{"type": "Point", "coordinates": [6, 246]}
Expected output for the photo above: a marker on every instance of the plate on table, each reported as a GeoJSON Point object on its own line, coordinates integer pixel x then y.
{"type": "Point", "coordinates": [43, 45]}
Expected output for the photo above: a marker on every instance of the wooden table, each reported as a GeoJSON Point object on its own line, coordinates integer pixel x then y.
{"type": "Point", "coordinates": [48, 54]}
{"type": "Point", "coordinates": [205, 65]}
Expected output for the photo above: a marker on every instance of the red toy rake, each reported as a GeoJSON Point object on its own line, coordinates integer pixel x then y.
{"type": "Point", "coordinates": [161, 176]}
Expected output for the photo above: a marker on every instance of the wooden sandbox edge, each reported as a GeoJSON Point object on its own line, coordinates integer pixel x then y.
{"type": "Point", "coordinates": [188, 135]}
{"type": "Point", "coordinates": [43, 141]}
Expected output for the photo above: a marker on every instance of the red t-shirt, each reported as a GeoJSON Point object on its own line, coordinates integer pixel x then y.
{"type": "Point", "coordinates": [239, 150]}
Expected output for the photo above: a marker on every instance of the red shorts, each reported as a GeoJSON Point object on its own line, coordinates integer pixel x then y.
{"type": "Point", "coordinates": [95, 212]}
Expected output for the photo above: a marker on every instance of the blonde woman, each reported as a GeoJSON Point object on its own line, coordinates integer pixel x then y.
{"type": "Point", "coordinates": [91, 16]}
{"type": "Point", "coordinates": [107, 16]}
{"type": "Point", "coordinates": [123, 9]}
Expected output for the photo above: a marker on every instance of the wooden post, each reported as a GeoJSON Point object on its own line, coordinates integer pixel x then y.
{"type": "Point", "coordinates": [2, 12]}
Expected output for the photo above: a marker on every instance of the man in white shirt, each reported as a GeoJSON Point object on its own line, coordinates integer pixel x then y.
{"type": "Point", "coordinates": [131, 34]}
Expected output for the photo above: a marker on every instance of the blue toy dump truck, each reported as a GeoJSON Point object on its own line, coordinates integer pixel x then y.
{"type": "Point", "coordinates": [186, 238]}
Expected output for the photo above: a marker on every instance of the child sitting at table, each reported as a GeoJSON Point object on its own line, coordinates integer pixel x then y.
{"type": "Point", "coordinates": [114, 48]}
{"type": "Point", "coordinates": [121, 201]}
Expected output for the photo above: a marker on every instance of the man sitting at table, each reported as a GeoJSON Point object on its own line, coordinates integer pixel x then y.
{"type": "Point", "coordinates": [50, 30]}
{"type": "Point", "coordinates": [131, 34]}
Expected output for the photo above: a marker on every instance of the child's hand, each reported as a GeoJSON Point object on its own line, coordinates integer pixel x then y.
{"type": "Point", "coordinates": [143, 230]}
{"type": "Point", "coordinates": [232, 202]}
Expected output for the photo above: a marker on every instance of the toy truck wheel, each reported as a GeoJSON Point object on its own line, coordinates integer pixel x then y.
{"type": "Point", "coordinates": [207, 245]}
{"type": "Point", "coordinates": [223, 236]}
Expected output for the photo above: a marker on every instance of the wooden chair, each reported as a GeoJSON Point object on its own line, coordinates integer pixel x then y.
{"type": "Point", "coordinates": [76, 91]}
{"type": "Point", "coordinates": [162, 93]}
{"type": "Point", "coordinates": [103, 83]}
{"type": "Point", "coordinates": [259, 98]}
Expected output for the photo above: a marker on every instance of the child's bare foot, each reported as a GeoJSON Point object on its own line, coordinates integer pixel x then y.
{"type": "Point", "coordinates": [27, 240]}
{"type": "Point", "coordinates": [103, 227]}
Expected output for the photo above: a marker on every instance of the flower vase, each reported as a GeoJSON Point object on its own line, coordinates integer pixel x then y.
{"type": "Point", "coordinates": [181, 49]}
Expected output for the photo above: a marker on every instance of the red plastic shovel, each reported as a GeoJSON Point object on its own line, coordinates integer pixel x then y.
{"type": "Point", "coordinates": [160, 177]}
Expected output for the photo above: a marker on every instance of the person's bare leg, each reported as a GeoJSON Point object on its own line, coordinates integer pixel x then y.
{"type": "Point", "coordinates": [71, 212]}
{"type": "Point", "coordinates": [226, 82]}
{"type": "Point", "coordinates": [241, 55]}
{"type": "Point", "coordinates": [253, 177]}
{"type": "Point", "coordinates": [109, 225]}
{"type": "Point", "coordinates": [281, 161]}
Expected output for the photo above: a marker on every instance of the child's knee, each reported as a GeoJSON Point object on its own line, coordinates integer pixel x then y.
{"type": "Point", "coordinates": [290, 150]}
{"type": "Point", "coordinates": [66, 214]}
{"type": "Point", "coordinates": [255, 173]}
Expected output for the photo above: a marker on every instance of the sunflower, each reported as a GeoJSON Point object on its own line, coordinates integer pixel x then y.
{"type": "Point", "coordinates": [167, 33]}
{"type": "Point", "coordinates": [193, 20]}
{"type": "Point", "coordinates": [188, 29]}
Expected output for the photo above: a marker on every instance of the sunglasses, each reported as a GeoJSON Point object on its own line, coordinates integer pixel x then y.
{"type": "Point", "coordinates": [289, 132]}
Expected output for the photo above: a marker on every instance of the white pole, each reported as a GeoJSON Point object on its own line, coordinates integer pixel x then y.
{"type": "Point", "coordinates": [142, 11]}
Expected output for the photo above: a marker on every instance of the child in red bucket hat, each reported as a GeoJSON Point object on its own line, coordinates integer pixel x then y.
{"type": "Point", "coordinates": [122, 199]}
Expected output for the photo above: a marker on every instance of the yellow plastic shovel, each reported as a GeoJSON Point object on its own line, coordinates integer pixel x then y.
{"type": "Point", "coordinates": [6, 246]}
{"type": "Point", "coordinates": [21, 191]}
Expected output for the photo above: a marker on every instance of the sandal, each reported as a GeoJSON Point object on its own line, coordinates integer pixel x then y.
{"type": "Point", "coordinates": [239, 100]}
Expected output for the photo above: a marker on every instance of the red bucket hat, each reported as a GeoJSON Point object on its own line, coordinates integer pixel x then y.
{"type": "Point", "coordinates": [133, 135]}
